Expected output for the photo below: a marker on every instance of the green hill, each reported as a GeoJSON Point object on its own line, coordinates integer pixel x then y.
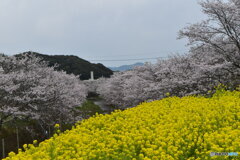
{"type": "Point", "coordinates": [76, 65]}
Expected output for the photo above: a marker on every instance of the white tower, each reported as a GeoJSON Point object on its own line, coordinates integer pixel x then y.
{"type": "Point", "coordinates": [92, 76]}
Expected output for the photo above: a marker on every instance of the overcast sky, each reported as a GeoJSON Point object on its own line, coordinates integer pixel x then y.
{"type": "Point", "coordinates": [96, 29]}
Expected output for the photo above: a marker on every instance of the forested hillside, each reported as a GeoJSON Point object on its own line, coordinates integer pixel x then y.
{"type": "Point", "coordinates": [76, 65]}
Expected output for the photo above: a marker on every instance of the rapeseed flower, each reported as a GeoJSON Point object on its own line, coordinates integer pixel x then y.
{"type": "Point", "coordinates": [169, 129]}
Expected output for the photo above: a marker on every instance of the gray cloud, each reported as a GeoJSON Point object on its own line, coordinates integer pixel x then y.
{"type": "Point", "coordinates": [96, 29]}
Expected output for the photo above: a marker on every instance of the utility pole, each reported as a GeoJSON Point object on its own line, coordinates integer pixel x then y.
{"type": "Point", "coordinates": [49, 131]}
{"type": "Point", "coordinates": [17, 138]}
{"type": "Point", "coordinates": [3, 148]}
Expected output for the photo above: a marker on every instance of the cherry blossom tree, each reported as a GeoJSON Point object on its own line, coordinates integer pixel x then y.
{"type": "Point", "coordinates": [31, 89]}
{"type": "Point", "coordinates": [216, 42]}
{"type": "Point", "coordinates": [126, 89]}
{"type": "Point", "coordinates": [174, 76]}
{"type": "Point", "coordinates": [139, 86]}
{"type": "Point", "coordinates": [112, 89]}
{"type": "Point", "coordinates": [214, 58]}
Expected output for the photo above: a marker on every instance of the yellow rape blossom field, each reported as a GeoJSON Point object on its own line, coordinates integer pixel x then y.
{"type": "Point", "coordinates": [169, 129]}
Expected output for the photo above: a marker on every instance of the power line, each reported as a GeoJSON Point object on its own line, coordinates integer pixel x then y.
{"type": "Point", "coordinates": [137, 59]}
{"type": "Point", "coordinates": [144, 53]}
